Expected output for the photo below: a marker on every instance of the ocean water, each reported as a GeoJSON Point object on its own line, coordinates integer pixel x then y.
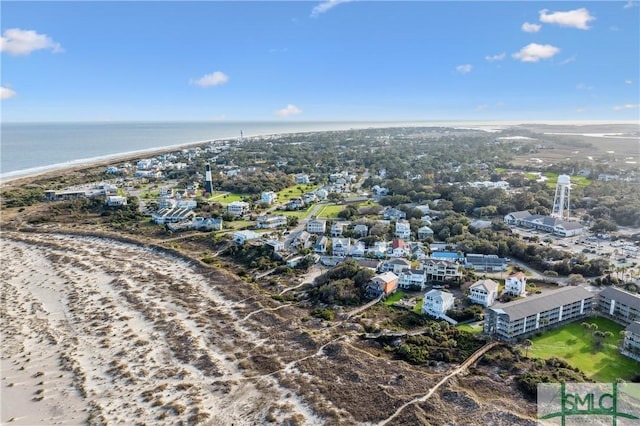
{"type": "Point", "coordinates": [30, 148]}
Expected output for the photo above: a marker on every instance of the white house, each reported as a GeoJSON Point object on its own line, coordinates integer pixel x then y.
{"type": "Point", "coordinates": [412, 278]}
{"type": "Point", "coordinates": [203, 224]}
{"type": "Point", "coordinates": [243, 236]}
{"type": "Point", "coordinates": [336, 229]}
{"type": "Point", "coordinates": [321, 245]}
{"type": "Point", "coordinates": [359, 250]}
{"type": "Point", "coordinates": [268, 197]}
{"type": "Point", "coordinates": [399, 248]}
{"type": "Point", "coordinates": [341, 246]}
{"type": "Point", "coordinates": [316, 226]}
{"type": "Point", "coordinates": [361, 230]}
{"type": "Point", "coordinates": [403, 230]}
{"type": "Point", "coordinates": [270, 222]}
{"type": "Point", "coordinates": [301, 178]}
{"type": "Point", "coordinates": [436, 303]}
{"type": "Point", "coordinates": [238, 208]}
{"type": "Point", "coordinates": [424, 232]}
{"type": "Point", "coordinates": [173, 215]}
{"type": "Point", "coordinates": [484, 292]}
{"type": "Point", "coordinates": [516, 284]}
{"type": "Point", "coordinates": [396, 266]}
{"type": "Point", "coordinates": [115, 201]}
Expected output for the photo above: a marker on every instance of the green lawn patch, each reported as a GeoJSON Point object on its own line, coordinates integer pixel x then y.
{"type": "Point", "coordinates": [230, 197]}
{"type": "Point", "coordinates": [532, 176]}
{"type": "Point", "coordinates": [295, 191]}
{"type": "Point", "coordinates": [395, 297]}
{"type": "Point", "coordinates": [573, 343]}
{"type": "Point", "coordinates": [300, 214]}
{"type": "Point", "coordinates": [499, 170]}
{"type": "Point", "coordinates": [471, 328]}
{"type": "Point", "coordinates": [418, 308]}
{"type": "Point", "coordinates": [330, 211]}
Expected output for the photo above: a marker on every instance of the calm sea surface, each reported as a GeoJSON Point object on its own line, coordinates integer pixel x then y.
{"type": "Point", "coordinates": [29, 148]}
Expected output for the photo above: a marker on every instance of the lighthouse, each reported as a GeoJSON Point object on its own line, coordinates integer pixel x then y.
{"type": "Point", "coordinates": [208, 186]}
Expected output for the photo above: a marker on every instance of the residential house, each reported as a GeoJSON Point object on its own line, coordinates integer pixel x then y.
{"type": "Point", "coordinates": [321, 245]}
{"type": "Point", "coordinates": [522, 317]}
{"type": "Point", "coordinates": [399, 248]}
{"type": "Point", "coordinates": [294, 204]}
{"type": "Point", "coordinates": [241, 237]}
{"type": "Point", "coordinates": [359, 250]}
{"type": "Point", "coordinates": [317, 226]}
{"type": "Point", "coordinates": [436, 303]}
{"type": "Point", "coordinates": [619, 305]}
{"type": "Point", "coordinates": [451, 256]}
{"type": "Point", "coordinates": [321, 194]}
{"type": "Point", "coordinates": [302, 240]}
{"type": "Point", "coordinates": [484, 292]}
{"type": "Point", "coordinates": [173, 215]}
{"type": "Point", "coordinates": [294, 261]}
{"type": "Point", "coordinates": [270, 222]}
{"type": "Point", "coordinates": [276, 245]}
{"type": "Point", "coordinates": [370, 264]}
{"type": "Point", "coordinates": [309, 198]}
{"type": "Point", "coordinates": [412, 279]}
{"type": "Point", "coordinates": [337, 229]}
{"type": "Point", "coordinates": [268, 197]}
{"type": "Point", "coordinates": [403, 230]}
{"type": "Point", "coordinates": [341, 247]}
{"type": "Point", "coordinates": [210, 224]}
{"type": "Point", "coordinates": [516, 284]}
{"type": "Point", "coordinates": [238, 208]}
{"type": "Point", "coordinates": [379, 250]}
{"type": "Point", "coordinates": [631, 343]}
{"type": "Point", "coordinates": [115, 201]}
{"type": "Point", "coordinates": [361, 230]}
{"type": "Point", "coordinates": [417, 252]}
{"type": "Point", "coordinates": [395, 265]}
{"type": "Point", "coordinates": [442, 270]}
{"type": "Point", "coordinates": [379, 192]}
{"type": "Point", "coordinates": [383, 284]}
{"type": "Point", "coordinates": [394, 214]}
{"type": "Point", "coordinates": [301, 178]}
{"type": "Point", "coordinates": [485, 262]}
{"type": "Point", "coordinates": [425, 232]}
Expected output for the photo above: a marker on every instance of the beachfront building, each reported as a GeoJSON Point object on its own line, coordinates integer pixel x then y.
{"type": "Point", "coordinates": [173, 215]}
{"type": "Point", "coordinates": [383, 284]}
{"type": "Point", "coordinates": [516, 284]}
{"type": "Point", "coordinates": [631, 344]}
{"type": "Point", "coordinates": [442, 270]}
{"type": "Point", "coordinates": [395, 265]}
{"type": "Point", "coordinates": [241, 237]}
{"type": "Point", "coordinates": [238, 208]}
{"type": "Point", "coordinates": [552, 225]}
{"type": "Point", "coordinates": [115, 201]}
{"type": "Point", "coordinates": [522, 317]}
{"type": "Point", "coordinates": [436, 303]}
{"type": "Point", "coordinates": [206, 224]}
{"type": "Point", "coordinates": [412, 279]}
{"type": "Point", "coordinates": [619, 305]}
{"type": "Point", "coordinates": [341, 247]}
{"type": "Point", "coordinates": [485, 262]}
{"type": "Point", "coordinates": [301, 178]}
{"type": "Point", "coordinates": [484, 292]}
{"type": "Point", "coordinates": [403, 230]}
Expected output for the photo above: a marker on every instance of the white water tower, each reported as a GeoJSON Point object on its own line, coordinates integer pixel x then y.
{"type": "Point", "coordinates": [562, 197]}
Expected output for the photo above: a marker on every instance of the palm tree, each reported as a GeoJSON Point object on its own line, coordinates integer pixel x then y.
{"type": "Point", "coordinates": [527, 344]}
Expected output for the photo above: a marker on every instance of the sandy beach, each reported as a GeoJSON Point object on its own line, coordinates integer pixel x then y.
{"type": "Point", "coordinates": [96, 329]}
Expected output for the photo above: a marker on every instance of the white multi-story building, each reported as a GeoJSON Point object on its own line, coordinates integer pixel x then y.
{"type": "Point", "coordinates": [268, 197]}
{"type": "Point", "coordinates": [631, 343]}
{"type": "Point", "coordinates": [516, 284]}
{"type": "Point", "coordinates": [484, 292]}
{"type": "Point", "coordinates": [341, 247]}
{"type": "Point", "coordinates": [412, 279]}
{"type": "Point", "coordinates": [619, 305]}
{"type": "Point", "coordinates": [270, 222]}
{"type": "Point", "coordinates": [317, 226]}
{"type": "Point", "coordinates": [238, 208]}
{"type": "Point", "coordinates": [436, 303]}
{"type": "Point", "coordinates": [442, 270]}
{"type": "Point", "coordinates": [403, 230]}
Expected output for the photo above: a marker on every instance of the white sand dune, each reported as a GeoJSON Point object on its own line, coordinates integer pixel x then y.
{"type": "Point", "coordinates": [102, 330]}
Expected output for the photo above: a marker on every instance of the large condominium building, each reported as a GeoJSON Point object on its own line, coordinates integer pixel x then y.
{"type": "Point", "coordinates": [619, 305]}
{"type": "Point", "coordinates": [506, 321]}
{"type": "Point", "coordinates": [631, 344]}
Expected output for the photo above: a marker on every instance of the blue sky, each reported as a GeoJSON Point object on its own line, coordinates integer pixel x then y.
{"type": "Point", "coordinates": [331, 60]}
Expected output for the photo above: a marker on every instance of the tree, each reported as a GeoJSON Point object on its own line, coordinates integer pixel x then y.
{"type": "Point", "coordinates": [527, 344]}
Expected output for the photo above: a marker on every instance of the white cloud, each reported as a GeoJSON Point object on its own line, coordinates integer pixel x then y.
{"type": "Point", "coordinates": [631, 4]}
{"type": "Point", "coordinates": [493, 58]}
{"type": "Point", "coordinates": [578, 18]}
{"type": "Point", "coordinates": [15, 41]}
{"type": "Point", "coordinates": [628, 82]}
{"type": "Point", "coordinates": [482, 107]}
{"type": "Point", "coordinates": [626, 107]}
{"type": "Point", "coordinates": [214, 79]}
{"type": "Point", "coordinates": [464, 69]}
{"type": "Point", "coordinates": [569, 60]}
{"type": "Point", "coordinates": [581, 109]}
{"type": "Point", "coordinates": [325, 6]}
{"type": "Point", "coordinates": [534, 52]}
{"type": "Point", "coordinates": [288, 110]}
{"type": "Point", "coordinates": [6, 93]}
{"type": "Point", "coordinates": [531, 28]}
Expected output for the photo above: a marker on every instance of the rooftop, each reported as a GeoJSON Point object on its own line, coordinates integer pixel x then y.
{"type": "Point", "coordinates": [542, 302]}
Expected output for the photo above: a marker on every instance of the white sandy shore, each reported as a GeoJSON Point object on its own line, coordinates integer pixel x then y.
{"type": "Point", "coordinates": [94, 328]}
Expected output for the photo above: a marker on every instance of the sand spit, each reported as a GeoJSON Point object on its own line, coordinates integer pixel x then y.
{"type": "Point", "coordinates": [100, 331]}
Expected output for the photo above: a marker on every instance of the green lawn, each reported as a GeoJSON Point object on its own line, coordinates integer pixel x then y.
{"type": "Point", "coordinates": [552, 179]}
{"type": "Point", "coordinates": [475, 329]}
{"type": "Point", "coordinates": [573, 343]}
{"type": "Point", "coordinates": [394, 298]}
{"type": "Point", "coordinates": [295, 192]}
{"type": "Point", "coordinates": [330, 211]}
{"type": "Point", "coordinates": [499, 170]}
{"type": "Point", "coordinates": [227, 197]}
{"type": "Point", "coordinates": [300, 214]}
{"type": "Point", "coordinates": [418, 308]}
